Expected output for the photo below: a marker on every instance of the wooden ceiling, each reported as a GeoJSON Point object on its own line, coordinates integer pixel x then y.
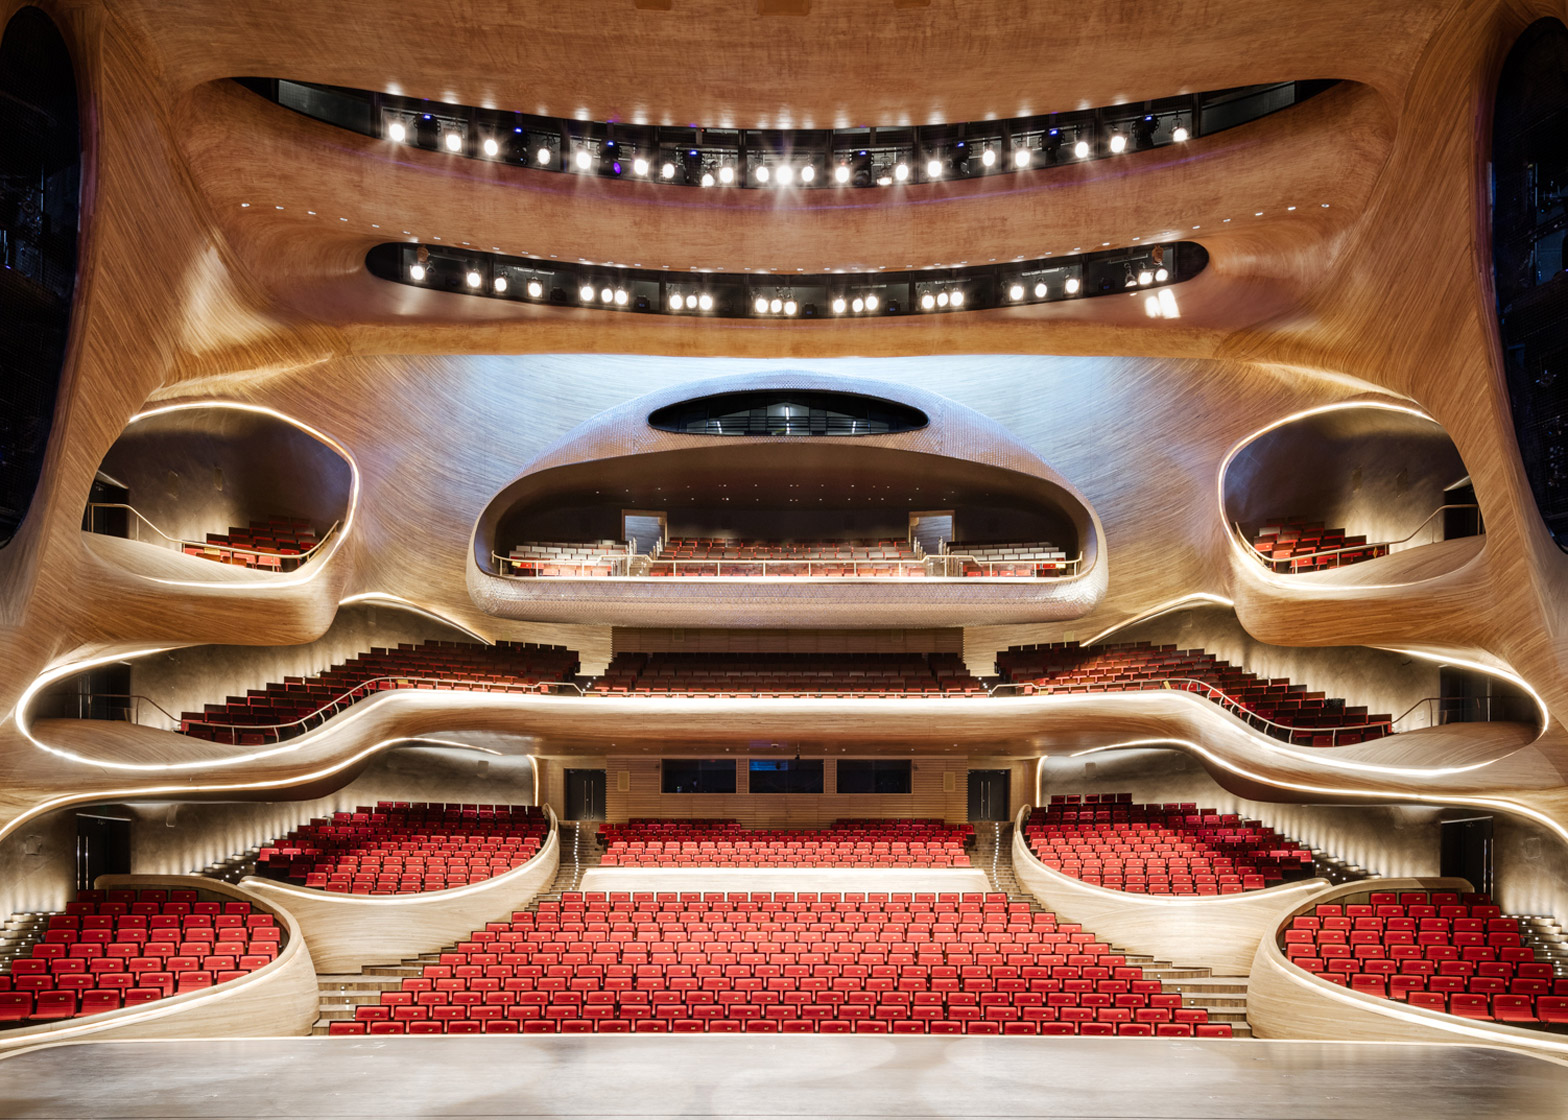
{"type": "Point", "coordinates": [188, 295]}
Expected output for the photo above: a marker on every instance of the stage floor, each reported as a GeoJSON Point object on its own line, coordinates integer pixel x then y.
{"type": "Point", "coordinates": [770, 1078]}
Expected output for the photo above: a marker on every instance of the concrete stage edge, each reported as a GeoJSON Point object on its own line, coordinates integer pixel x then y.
{"type": "Point", "coordinates": [765, 1077]}
{"type": "Point", "coordinates": [883, 880]}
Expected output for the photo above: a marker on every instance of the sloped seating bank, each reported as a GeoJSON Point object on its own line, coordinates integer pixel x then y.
{"type": "Point", "coordinates": [1282, 709]}
{"type": "Point", "coordinates": [782, 962]}
{"type": "Point", "coordinates": [1443, 951]}
{"type": "Point", "coordinates": [284, 710]}
{"type": "Point", "coordinates": [1108, 840]}
{"type": "Point", "coordinates": [847, 843]}
{"type": "Point", "coordinates": [788, 674]}
{"type": "Point", "coordinates": [402, 847]}
{"type": "Point", "coordinates": [278, 544]}
{"type": "Point", "coordinates": [1298, 545]}
{"type": "Point", "coordinates": [121, 948]}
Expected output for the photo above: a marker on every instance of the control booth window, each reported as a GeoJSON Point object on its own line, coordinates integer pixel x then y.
{"type": "Point", "coordinates": [699, 775]}
{"type": "Point", "coordinates": [786, 775]}
{"type": "Point", "coordinates": [874, 775]}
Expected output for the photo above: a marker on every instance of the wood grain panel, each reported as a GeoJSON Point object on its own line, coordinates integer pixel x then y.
{"type": "Point", "coordinates": [280, 998]}
{"type": "Point", "coordinates": [348, 931]}
{"type": "Point", "coordinates": [1221, 932]}
{"type": "Point", "coordinates": [1284, 1001]}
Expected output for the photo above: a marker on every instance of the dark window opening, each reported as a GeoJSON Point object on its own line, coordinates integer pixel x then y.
{"type": "Point", "coordinates": [698, 775]}
{"type": "Point", "coordinates": [1467, 852]}
{"type": "Point", "coordinates": [786, 775]}
{"type": "Point", "coordinates": [787, 412]}
{"type": "Point", "coordinates": [1470, 696]}
{"type": "Point", "coordinates": [875, 775]}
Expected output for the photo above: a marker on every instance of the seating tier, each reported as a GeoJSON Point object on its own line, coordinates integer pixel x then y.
{"type": "Point", "coordinates": [785, 674]}
{"type": "Point", "coordinates": [879, 843]}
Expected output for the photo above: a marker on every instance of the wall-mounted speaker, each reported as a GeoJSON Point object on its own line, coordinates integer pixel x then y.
{"type": "Point", "coordinates": [949, 782]}
{"type": "Point", "coordinates": [623, 781]}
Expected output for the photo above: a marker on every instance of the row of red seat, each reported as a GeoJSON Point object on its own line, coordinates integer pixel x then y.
{"type": "Point", "coordinates": [884, 843]}
{"type": "Point", "coordinates": [716, 962]}
{"type": "Point", "coordinates": [297, 704]}
{"type": "Point", "coordinates": [776, 674]}
{"type": "Point", "coordinates": [1172, 848]}
{"type": "Point", "coordinates": [400, 849]}
{"type": "Point", "coordinates": [1298, 545]}
{"type": "Point", "coordinates": [1285, 710]}
{"type": "Point", "coordinates": [124, 947]}
{"type": "Point", "coordinates": [1440, 950]}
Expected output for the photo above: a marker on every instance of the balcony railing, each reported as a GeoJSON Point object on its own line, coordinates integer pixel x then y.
{"type": "Point", "coordinates": [220, 553]}
{"type": "Point", "coordinates": [928, 566]}
{"type": "Point", "coordinates": [1349, 554]}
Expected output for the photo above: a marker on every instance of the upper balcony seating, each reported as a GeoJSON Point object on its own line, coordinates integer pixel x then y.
{"type": "Point", "coordinates": [281, 711]}
{"type": "Point", "coordinates": [1110, 842]}
{"type": "Point", "coordinates": [126, 947]}
{"type": "Point", "coordinates": [403, 848]}
{"type": "Point", "coordinates": [846, 843]}
{"type": "Point", "coordinates": [1441, 951]}
{"type": "Point", "coordinates": [1010, 558]}
{"type": "Point", "coordinates": [787, 674]}
{"type": "Point", "coordinates": [565, 558]}
{"type": "Point", "coordinates": [1293, 714]}
{"type": "Point", "coordinates": [281, 541]}
{"type": "Point", "coordinates": [782, 963]}
{"type": "Point", "coordinates": [1297, 545]}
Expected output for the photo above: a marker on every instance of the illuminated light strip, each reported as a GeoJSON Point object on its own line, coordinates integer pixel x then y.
{"type": "Point", "coordinates": [1436, 798]}
{"type": "Point", "coordinates": [310, 570]}
{"type": "Point", "coordinates": [410, 605]}
{"type": "Point", "coordinates": [315, 894]}
{"type": "Point", "coordinates": [1195, 599]}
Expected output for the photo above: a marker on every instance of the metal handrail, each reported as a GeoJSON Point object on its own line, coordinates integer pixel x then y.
{"type": "Point", "coordinates": [1388, 546]}
{"type": "Point", "coordinates": [1261, 722]}
{"type": "Point", "coordinates": [621, 564]}
{"type": "Point", "coordinates": [612, 560]}
{"type": "Point", "coordinates": [181, 544]}
{"type": "Point", "coordinates": [965, 557]}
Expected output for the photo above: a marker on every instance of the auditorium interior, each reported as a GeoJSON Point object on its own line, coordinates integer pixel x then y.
{"type": "Point", "coordinates": [1022, 547]}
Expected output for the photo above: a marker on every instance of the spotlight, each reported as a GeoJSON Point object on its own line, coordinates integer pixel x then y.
{"type": "Point", "coordinates": [454, 142]}
{"type": "Point", "coordinates": [941, 299]}
{"type": "Point", "coordinates": [841, 173]}
{"type": "Point", "coordinates": [586, 293]}
{"type": "Point", "coordinates": [786, 174]}
{"type": "Point", "coordinates": [808, 174]}
{"type": "Point", "coordinates": [583, 159]}
{"type": "Point", "coordinates": [500, 284]}
{"type": "Point", "coordinates": [1039, 290]}
{"type": "Point", "coordinates": [885, 181]}
{"type": "Point", "coordinates": [761, 306]}
{"type": "Point", "coordinates": [762, 173]}
{"type": "Point", "coordinates": [676, 303]}
{"type": "Point", "coordinates": [1016, 292]}
{"type": "Point", "coordinates": [1145, 278]}
{"type": "Point", "coordinates": [726, 174]}
{"type": "Point", "coordinates": [416, 272]}
{"type": "Point", "coordinates": [957, 299]}
{"type": "Point", "coordinates": [1160, 276]}
{"type": "Point", "coordinates": [901, 171]}
{"type": "Point", "coordinates": [789, 307]}
{"type": "Point", "coordinates": [491, 147]}
{"type": "Point", "coordinates": [704, 302]}
{"type": "Point", "coordinates": [1179, 133]}
{"type": "Point", "coordinates": [707, 178]}
{"type": "Point", "coordinates": [542, 156]}
{"type": "Point", "coordinates": [871, 303]}
{"type": "Point", "coordinates": [1021, 157]}
{"type": "Point", "coordinates": [933, 169]}
{"type": "Point", "coordinates": [988, 157]}
{"type": "Point", "coordinates": [776, 305]}
{"type": "Point", "coordinates": [839, 305]}
{"type": "Point", "coordinates": [473, 278]}
{"type": "Point", "coordinates": [606, 295]}
{"type": "Point", "coordinates": [1118, 143]}
{"type": "Point", "coordinates": [927, 301]}
{"type": "Point", "coordinates": [620, 297]}
{"type": "Point", "coordinates": [667, 171]}
{"type": "Point", "coordinates": [535, 289]}
{"type": "Point", "coordinates": [861, 170]}
{"type": "Point", "coordinates": [1072, 285]}
{"type": "Point", "coordinates": [1081, 149]}
{"type": "Point", "coordinates": [639, 166]}
{"type": "Point", "coordinates": [396, 131]}
{"type": "Point", "coordinates": [1130, 281]}
{"type": "Point", "coordinates": [859, 305]}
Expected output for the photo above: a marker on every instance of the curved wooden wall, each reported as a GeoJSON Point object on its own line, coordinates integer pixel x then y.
{"type": "Point", "coordinates": [1284, 1001]}
{"type": "Point", "coordinates": [280, 998]}
{"type": "Point", "coordinates": [348, 931]}
{"type": "Point", "coordinates": [1215, 931]}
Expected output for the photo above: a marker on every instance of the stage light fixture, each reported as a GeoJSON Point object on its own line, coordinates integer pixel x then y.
{"type": "Point", "coordinates": [859, 305]}
{"type": "Point", "coordinates": [763, 173]}
{"type": "Point", "coordinates": [942, 299]}
{"type": "Point", "coordinates": [841, 173]}
{"type": "Point", "coordinates": [839, 305]}
{"type": "Point", "coordinates": [775, 305]}
{"type": "Point", "coordinates": [583, 159]}
{"type": "Point", "coordinates": [957, 297]}
{"type": "Point", "coordinates": [988, 157]}
{"type": "Point", "coordinates": [901, 171]}
{"type": "Point", "coordinates": [667, 171]}
{"type": "Point", "coordinates": [704, 302]}
{"type": "Point", "coordinates": [1081, 149]}
{"type": "Point", "coordinates": [1145, 278]}
{"type": "Point", "coordinates": [808, 173]}
{"type": "Point", "coordinates": [500, 284]}
{"type": "Point", "coordinates": [1179, 133]}
{"type": "Point", "coordinates": [621, 297]}
{"type": "Point", "coordinates": [1021, 157]}
{"type": "Point", "coordinates": [1129, 280]}
{"type": "Point", "coordinates": [454, 142]}
{"type": "Point", "coordinates": [1016, 292]}
{"type": "Point", "coordinates": [761, 306]}
{"type": "Point", "coordinates": [726, 174]}
{"type": "Point", "coordinates": [586, 293]}
{"type": "Point", "coordinates": [1052, 145]}
{"type": "Point", "coordinates": [707, 178]}
{"type": "Point", "coordinates": [885, 181]}
{"type": "Point", "coordinates": [785, 175]}
{"type": "Point", "coordinates": [676, 302]}
{"type": "Point", "coordinates": [535, 289]}
{"type": "Point", "coordinates": [927, 301]}
{"type": "Point", "coordinates": [1072, 285]}
{"type": "Point", "coordinates": [416, 271]}
{"type": "Point", "coordinates": [606, 295]}
{"type": "Point", "coordinates": [933, 169]}
{"type": "Point", "coordinates": [1040, 290]}
{"type": "Point", "coordinates": [397, 131]}
{"type": "Point", "coordinates": [871, 302]}
{"type": "Point", "coordinates": [542, 156]}
{"type": "Point", "coordinates": [1118, 143]}
{"type": "Point", "coordinates": [491, 147]}
{"type": "Point", "coordinates": [790, 307]}
{"type": "Point", "coordinates": [474, 279]}
{"type": "Point", "coordinates": [639, 166]}
{"type": "Point", "coordinates": [1160, 276]}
